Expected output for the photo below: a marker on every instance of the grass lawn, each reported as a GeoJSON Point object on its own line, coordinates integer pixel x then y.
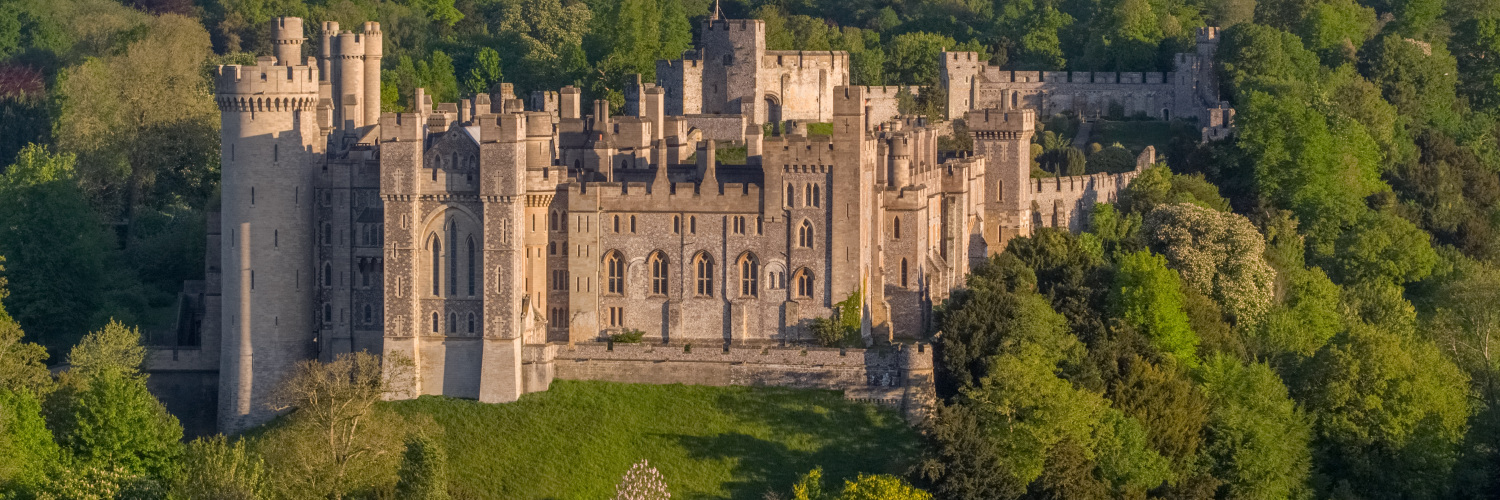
{"type": "Point", "coordinates": [576, 439]}
{"type": "Point", "coordinates": [1136, 135]}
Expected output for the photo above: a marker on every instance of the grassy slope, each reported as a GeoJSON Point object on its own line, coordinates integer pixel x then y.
{"type": "Point", "coordinates": [576, 439]}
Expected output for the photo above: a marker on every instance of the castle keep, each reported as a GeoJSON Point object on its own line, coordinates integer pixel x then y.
{"type": "Point", "coordinates": [498, 243]}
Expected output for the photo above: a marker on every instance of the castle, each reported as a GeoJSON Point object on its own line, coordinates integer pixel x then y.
{"type": "Point", "coordinates": [498, 243]}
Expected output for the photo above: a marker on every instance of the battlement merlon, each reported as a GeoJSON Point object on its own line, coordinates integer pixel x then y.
{"type": "Point", "coordinates": [401, 127]}
{"type": "Point", "coordinates": [990, 119]}
{"type": "Point", "coordinates": [266, 78]}
{"type": "Point", "coordinates": [505, 127]}
{"type": "Point", "coordinates": [849, 100]}
{"type": "Point", "coordinates": [1208, 34]}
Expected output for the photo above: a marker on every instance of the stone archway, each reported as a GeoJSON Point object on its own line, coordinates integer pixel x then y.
{"type": "Point", "coordinates": [773, 108]}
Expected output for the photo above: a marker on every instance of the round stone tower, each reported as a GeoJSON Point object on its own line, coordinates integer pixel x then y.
{"type": "Point", "coordinates": [270, 143]}
{"type": "Point", "coordinates": [286, 37]}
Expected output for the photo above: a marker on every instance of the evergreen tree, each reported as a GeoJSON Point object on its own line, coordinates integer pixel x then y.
{"type": "Point", "coordinates": [424, 470]}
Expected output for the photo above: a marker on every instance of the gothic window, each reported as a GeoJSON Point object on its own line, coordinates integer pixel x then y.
{"type": "Point", "coordinates": [810, 200]}
{"type": "Point", "coordinates": [452, 322]}
{"type": "Point", "coordinates": [693, 224]}
{"type": "Point", "coordinates": [632, 224]}
{"type": "Point", "coordinates": [676, 224]}
{"type": "Point", "coordinates": [614, 268]}
{"type": "Point", "coordinates": [617, 223]}
{"type": "Point", "coordinates": [805, 235]}
{"type": "Point", "coordinates": [804, 281]}
{"type": "Point", "coordinates": [437, 265]}
{"type": "Point", "coordinates": [903, 273]}
{"type": "Point", "coordinates": [327, 314]}
{"type": "Point", "coordinates": [435, 323]}
{"type": "Point", "coordinates": [749, 276]}
{"type": "Point", "coordinates": [759, 226]}
{"type": "Point", "coordinates": [369, 314]}
{"type": "Point", "coordinates": [791, 195]}
{"type": "Point", "coordinates": [552, 248]}
{"type": "Point", "coordinates": [552, 221]}
{"type": "Point", "coordinates": [896, 226]}
{"type": "Point", "coordinates": [658, 264]}
{"type": "Point", "coordinates": [471, 266]}
{"type": "Point", "coordinates": [471, 322]}
{"type": "Point", "coordinates": [817, 197]}
{"type": "Point", "coordinates": [327, 275]}
{"type": "Point", "coordinates": [452, 262]}
{"type": "Point", "coordinates": [703, 265]}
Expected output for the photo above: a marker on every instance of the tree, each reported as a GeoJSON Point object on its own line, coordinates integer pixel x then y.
{"type": "Point", "coordinates": [485, 73]}
{"type": "Point", "coordinates": [214, 469]}
{"type": "Point", "coordinates": [54, 248]}
{"type": "Point", "coordinates": [112, 420]}
{"type": "Point", "coordinates": [22, 367]}
{"type": "Point", "coordinates": [1382, 246]}
{"type": "Point", "coordinates": [986, 322]}
{"type": "Point", "coordinates": [1419, 78]}
{"type": "Point", "coordinates": [1257, 57]}
{"type": "Point", "coordinates": [676, 31]}
{"type": "Point", "coordinates": [1256, 438]}
{"type": "Point", "coordinates": [115, 348]}
{"type": "Point", "coordinates": [1307, 318]}
{"type": "Point", "coordinates": [424, 470]}
{"type": "Point", "coordinates": [1147, 296]}
{"type": "Point", "coordinates": [1389, 413]}
{"type": "Point", "coordinates": [25, 441]}
{"type": "Point", "coordinates": [337, 439]}
{"type": "Point", "coordinates": [112, 104]}
{"type": "Point", "coordinates": [1218, 254]}
{"type": "Point", "coordinates": [960, 461]}
{"type": "Point", "coordinates": [913, 57]}
{"type": "Point", "coordinates": [881, 487]}
{"type": "Point", "coordinates": [1476, 47]}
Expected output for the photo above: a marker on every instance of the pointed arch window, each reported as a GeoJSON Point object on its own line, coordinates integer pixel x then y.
{"type": "Point", "coordinates": [452, 262]}
{"type": "Point", "coordinates": [327, 275]}
{"type": "Point", "coordinates": [471, 266]}
{"type": "Point", "coordinates": [471, 322]}
{"type": "Point", "coordinates": [749, 276]}
{"type": "Point", "coordinates": [658, 264]}
{"type": "Point", "coordinates": [791, 195]}
{"type": "Point", "coordinates": [804, 282]}
{"type": "Point", "coordinates": [435, 323]}
{"type": "Point", "coordinates": [805, 234]}
{"type": "Point", "coordinates": [617, 223]}
{"type": "Point", "coordinates": [676, 224]}
{"type": "Point", "coordinates": [437, 265]}
{"type": "Point", "coordinates": [452, 322]}
{"type": "Point", "coordinates": [327, 314]}
{"type": "Point", "coordinates": [552, 221]}
{"type": "Point", "coordinates": [369, 314]}
{"type": "Point", "coordinates": [703, 267]}
{"type": "Point", "coordinates": [817, 196]}
{"type": "Point", "coordinates": [903, 273]}
{"type": "Point", "coordinates": [614, 269]}
{"type": "Point", "coordinates": [896, 227]}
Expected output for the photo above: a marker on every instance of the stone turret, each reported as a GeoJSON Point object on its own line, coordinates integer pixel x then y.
{"type": "Point", "coordinates": [270, 139]}
{"type": "Point", "coordinates": [1005, 138]}
{"type": "Point", "coordinates": [286, 38]}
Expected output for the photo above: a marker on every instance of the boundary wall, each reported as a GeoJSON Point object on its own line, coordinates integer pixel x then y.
{"type": "Point", "coordinates": [899, 376]}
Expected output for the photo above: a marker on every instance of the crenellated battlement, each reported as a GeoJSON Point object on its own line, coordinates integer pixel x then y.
{"type": "Point", "coordinates": [735, 25]}
{"type": "Point", "coordinates": [400, 127]}
{"type": "Point", "coordinates": [804, 59]}
{"type": "Point", "coordinates": [994, 120]}
{"type": "Point", "coordinates": [266, 79]}
{"type": "Point", "coordinates": [1208, 34]}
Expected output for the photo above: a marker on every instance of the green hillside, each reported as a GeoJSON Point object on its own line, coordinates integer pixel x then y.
{"type": "Point", "coordinates": [576, 439]}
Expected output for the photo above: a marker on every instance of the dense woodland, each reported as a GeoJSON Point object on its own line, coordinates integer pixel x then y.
{"type": "Point", "coordinates": [1305, 310]}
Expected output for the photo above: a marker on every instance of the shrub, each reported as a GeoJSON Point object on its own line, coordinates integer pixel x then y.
{"type": "Point", "coordinates": [628, 336]}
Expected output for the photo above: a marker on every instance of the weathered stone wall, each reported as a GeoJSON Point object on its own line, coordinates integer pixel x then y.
{"type": "Point", "coordinates": [798, 85]}
{"type": "Point", "coordinates": [901, 374]}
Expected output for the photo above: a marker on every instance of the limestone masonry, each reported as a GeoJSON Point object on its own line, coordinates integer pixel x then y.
{"type": "Point", "coordinates": [498, 243]}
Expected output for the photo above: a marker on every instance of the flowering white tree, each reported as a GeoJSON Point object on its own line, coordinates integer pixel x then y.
{"type": "Point", "coordinates": [642, 482]}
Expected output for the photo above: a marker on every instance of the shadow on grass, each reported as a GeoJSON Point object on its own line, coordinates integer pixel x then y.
{"type": "Point", "coordinates": [846, 438]}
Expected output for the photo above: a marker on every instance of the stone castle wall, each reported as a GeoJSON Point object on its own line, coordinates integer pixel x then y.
{"type": "Point", "coordinates": [899, 376]}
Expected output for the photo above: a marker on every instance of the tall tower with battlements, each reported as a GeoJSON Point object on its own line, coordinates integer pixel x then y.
{"type": "Point", "coordinates": [270, 142]}
{"type": "Point", "coordinates": [1004, 137]}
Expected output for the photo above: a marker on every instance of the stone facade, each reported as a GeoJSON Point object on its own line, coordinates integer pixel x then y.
{"type": "Point", "coordinates": [1189, 92]}
{"type": "Point", "coordinates": [497, 244]}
